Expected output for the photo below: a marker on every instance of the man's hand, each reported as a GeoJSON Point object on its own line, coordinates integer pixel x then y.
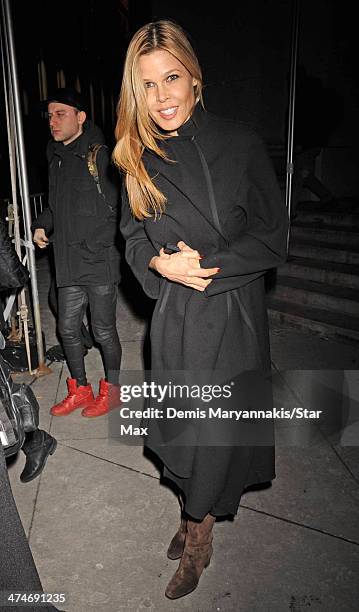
{"type": "Point", "coordinates": [40, 238]}
{"type": "Point", "coordinates": [183, 267]}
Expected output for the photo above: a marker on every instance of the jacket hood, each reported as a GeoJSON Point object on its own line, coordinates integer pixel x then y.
{"type": "Point", "coordinates": [91, 134]}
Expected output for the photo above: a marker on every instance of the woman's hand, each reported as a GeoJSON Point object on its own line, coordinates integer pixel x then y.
{"type": "Point", "coordinates": [183, 267]}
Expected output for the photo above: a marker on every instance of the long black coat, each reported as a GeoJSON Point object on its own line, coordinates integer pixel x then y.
{"type": "Point", "coordinates": [83, 222]}
{"type": "Point", "coordinates": [223, 199]}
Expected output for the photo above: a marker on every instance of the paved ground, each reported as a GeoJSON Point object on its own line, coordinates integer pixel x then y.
{"type": "Point", "coordinates": [99, 522]}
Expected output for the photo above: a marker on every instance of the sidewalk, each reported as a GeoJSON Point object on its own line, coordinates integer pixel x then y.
{"type": "Point", "coordinates": [99, 522]}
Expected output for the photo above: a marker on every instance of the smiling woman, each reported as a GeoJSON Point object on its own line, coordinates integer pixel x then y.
{"type": "Point", "coordinates": [136, 125]}
{"type": "Point", "coordinates": [207, 186]}
{"type": "Point", "coordinates": [170, 90]}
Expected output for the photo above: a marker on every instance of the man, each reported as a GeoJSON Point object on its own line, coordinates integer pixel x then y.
{"type": "Point", "coordinates": [82, 219]}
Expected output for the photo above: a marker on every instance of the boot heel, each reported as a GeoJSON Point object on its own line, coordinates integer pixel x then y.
{"type": "Point", "coordinates": [53, 447]}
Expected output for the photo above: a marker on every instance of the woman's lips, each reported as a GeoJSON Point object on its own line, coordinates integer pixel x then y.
{"type": "Point", "coordinates": [168, 113]}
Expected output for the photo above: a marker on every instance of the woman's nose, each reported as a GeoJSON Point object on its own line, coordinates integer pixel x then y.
{"type": "Point", "coordinates": [162, 94]}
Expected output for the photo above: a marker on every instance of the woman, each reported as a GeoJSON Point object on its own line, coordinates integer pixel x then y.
{"type": "Point", "coordinates": [207, 186]}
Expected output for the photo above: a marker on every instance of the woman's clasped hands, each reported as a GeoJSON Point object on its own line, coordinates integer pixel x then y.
{"type": "Point", "coordinates": [183, 267]}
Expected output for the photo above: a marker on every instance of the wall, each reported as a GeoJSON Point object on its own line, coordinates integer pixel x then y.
{"type": "Point", "coordinates": [245, 55]}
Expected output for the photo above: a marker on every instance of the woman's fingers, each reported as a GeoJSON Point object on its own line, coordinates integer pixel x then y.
{"type": "Point", "coordinates": [203, 272]}
{"type": "Point", "coordinates": [183, 246]}
{"type": "Point", "coordinates": [190, 254]}
{"type": "Point", "coordinates": [184, 267]}
{"type": "Point", "coordinates": [187, 251]}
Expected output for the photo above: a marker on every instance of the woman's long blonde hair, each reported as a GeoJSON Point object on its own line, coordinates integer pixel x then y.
{"type": "Point", "coordinates": [135, 130]}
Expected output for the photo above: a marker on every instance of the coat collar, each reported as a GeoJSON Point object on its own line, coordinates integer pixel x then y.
{"type": "Point", "coordinates": [196, 191]}
{"type": "Point", "coordinates": [197, 120]}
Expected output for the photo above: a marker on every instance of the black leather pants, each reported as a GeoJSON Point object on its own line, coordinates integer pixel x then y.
{"type": "Point", "coordinates": [72, 303]}
{"type": "Point", "coordinates": [86, 338]}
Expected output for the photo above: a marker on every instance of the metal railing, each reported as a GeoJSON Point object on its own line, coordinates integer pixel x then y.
{"type": "Point", "coordinates": [38, 201]}
{"type": "Point", "coordinates": [19, 302]}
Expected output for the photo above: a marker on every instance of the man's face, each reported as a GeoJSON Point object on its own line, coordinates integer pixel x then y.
{"type": "Point", "coordinates": [65, 122]}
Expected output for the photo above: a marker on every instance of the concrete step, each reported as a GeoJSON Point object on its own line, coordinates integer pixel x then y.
{"type": "Point", "coordinates": [325, 217]}
{"type": "Point", "coordinates": [325, 323]}
{"type": "Point", "coordinates": [338, 274]}
{"type": "Point", "coordinates": [321, 251]}
{"type": "Point", "coordinates": [329, 234]}
{"type": "Point", "coordinates": [318, 295]}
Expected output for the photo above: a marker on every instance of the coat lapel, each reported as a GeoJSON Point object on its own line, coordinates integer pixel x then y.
{"type": "Point", "coordinates": [196, 191]}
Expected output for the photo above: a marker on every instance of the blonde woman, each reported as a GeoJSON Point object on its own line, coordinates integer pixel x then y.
{"type": "Point", "coordinates": [205, 186]}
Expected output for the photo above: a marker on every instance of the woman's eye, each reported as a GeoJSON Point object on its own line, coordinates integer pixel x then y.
{"type": "Point", "coordinates": [149, 84]}
{"type": "Point", "coordinates": [172, 77]}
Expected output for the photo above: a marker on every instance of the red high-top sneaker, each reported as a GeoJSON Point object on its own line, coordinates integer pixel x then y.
{"type": "Point", "coordinates": [109, 397]}
{"type": "Point", "coordinates": [77, 397]}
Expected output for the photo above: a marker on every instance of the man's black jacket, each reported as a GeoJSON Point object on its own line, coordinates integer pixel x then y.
{"type": "Point", "coordinates": [83, 223]}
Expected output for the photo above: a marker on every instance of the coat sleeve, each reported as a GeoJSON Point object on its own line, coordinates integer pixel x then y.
{"type": "Point", "coordinates": [139, 250]}
{"type": "Point", "coordinates": [44, 220]}
{"type": "Point", "coordinates": [263, 243]}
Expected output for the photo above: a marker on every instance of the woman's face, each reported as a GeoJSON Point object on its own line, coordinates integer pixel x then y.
{"type": "Point", "coordinates": [169, 87]}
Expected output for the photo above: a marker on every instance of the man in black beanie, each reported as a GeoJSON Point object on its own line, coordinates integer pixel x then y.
{"type": "Point", "coordinates": [82, 221]}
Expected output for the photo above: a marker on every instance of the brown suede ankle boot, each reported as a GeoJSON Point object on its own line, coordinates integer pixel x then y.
{"type": "Point", "coordinates": [196, 556]}
{"type": "Point", "coordinates": [176, 546]}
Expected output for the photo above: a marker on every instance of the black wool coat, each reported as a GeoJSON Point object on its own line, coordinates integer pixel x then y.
{"type": "Point", "coordinates": [223, 199]}
{"type": "Point", "coordinates": [83, 222]}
